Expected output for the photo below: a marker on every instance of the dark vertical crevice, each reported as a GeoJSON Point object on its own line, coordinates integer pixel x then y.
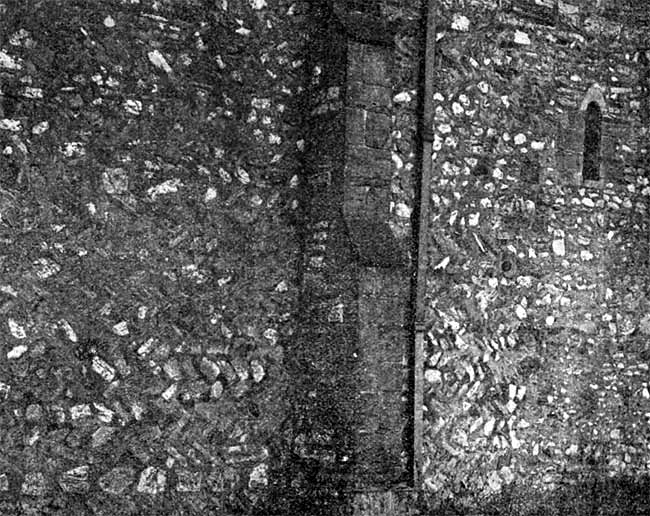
{"type": "Point", "coordinates": [414, 247]}
{"type": "Point", "coordinates": [592, 139]}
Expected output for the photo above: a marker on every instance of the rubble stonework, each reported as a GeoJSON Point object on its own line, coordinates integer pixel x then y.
{"type": "Point", "coordinates": [147, 259]}
{"type": "Point", "coordinates": [205, 238]}
{"type": "Point", "coordinates": [536, 364]}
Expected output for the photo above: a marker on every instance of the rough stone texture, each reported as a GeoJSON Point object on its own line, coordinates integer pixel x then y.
{"type": "Point", "coordinates": [536, 367]}
{"type": "Point", "coordinates": [147, 253]}
{"type": "Point", "coordinates": [159, 225]}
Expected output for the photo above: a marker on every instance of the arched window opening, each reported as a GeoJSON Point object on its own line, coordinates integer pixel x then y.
{"type": "Point", "coordinates": [591, 153]}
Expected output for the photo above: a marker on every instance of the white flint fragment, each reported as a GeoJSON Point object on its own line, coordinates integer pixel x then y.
{"type": "Point", "coordinates": [45, 268]}
{"type": "Point", "coordinates": [7, 124]}
{"type": "Point", "coordinates": [520, 311]}
{"type": "Point", "coordinates": [242, 175]}
{"type": "Point", "coordinates": [169, 392]}
{"type": "Point", "coordinates": [152, 481]}
{"type": "Point", "coordinates": [17, 331]}
{"type": "Point", "coordinates": [159, 61]}
{"type": "Point", "coordinates": [73, 149]}
{"type": "Point", "coordinates": [271, 335]}
{"type": "Point", "coordinates": [166, 187]}
{"type": "Point", "coordinates": [103, 369]}
{"type": "Point", "coordinates": [17, 352]}
{"type": "Point", "coordinates": [489, 427]}
{"type": "Point", "coordinates": [443, 264]}
{"type": "Point", "coordinates": [33, 93]}
{"type": "Point", "coordinates": [9, 290]}
{"type": "Point", "coordinates": [67, 329]}
{"type": "Point", "coordinates": [8, 62]}
{"type": "Point", "coordinates": [521, 38]}
{"type": "Point", "coordinates": [512, 391]}
{"type": "Point", "coordinates": [259, 476]}
{"type": "Point", "coordinates": [104, 414]}
{"type": "Point", "coordinates": [586, 256]}
{"type": "Point", "coordinates": [402, 210]}
{"type": "Point", "coordinates": [210, 195]}
{"type": "Point", "coordinates": [402, 97]}
{"type": "Point", "coordinates": [115, 181]}
{"type": "Point", "coordinates": [433, 376]}
{"type": "Point", "coordinates": [558, 247]}
{"type": "Point", "coordinates": [121, 329]}
{"type": "Point", "coordinates": [79, 411]}
{"type": "Point", "coordinates": [41, 127]}
{"type": "Point", "coordinates": [258, 371]}
{"type": "Point", "coordinates": [133, 106]}
{"type": "Point", "coordinates": [520, 139]}
{"type": "Point", "coordinates": [460, 23]}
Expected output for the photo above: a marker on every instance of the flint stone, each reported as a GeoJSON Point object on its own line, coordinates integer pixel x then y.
{"type": "Point", "coordinates": [34, 412]}
{"type": "Point", "coordinates": [216, 390]}
{"type": "Point", "coordinates": [115, 181]}
{"type": "Point", "coordinates": [117, 480]}
{"type": "Point", "coordinates": [258, 371]}
{"type": "Point", "coordinates": [209, 369]}
{"type": "Point", "coordinates": [75, 480]}
{"type": "Point", "coordinates": [34, 484]}
{"type": "Point", "coordinates": [102, 435]}
{"type": "Point", "coordinates": [152, 481]}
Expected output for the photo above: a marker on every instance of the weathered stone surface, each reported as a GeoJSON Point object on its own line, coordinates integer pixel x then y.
{"type": "Point", "coordinates": [574, 249]}
{"type": "Point", "coordinates": [372, 97]}
{"type": "Point", "coordinates": [378, 128]}
{"type": "Point", "coordinates": [210, 369]}
{"type": "Point", "coordinates": [152, 481]}
{"type": "Point", "coordinates": [34, 484]}
{"type": "Point", "coordinates": [102, 435]}
{"type": "Point", "coordinates": [117, 480]}
{"type": "Point", "coordinates": [367, 167]}
{"type": "Point", "coordinates": [75, 480]}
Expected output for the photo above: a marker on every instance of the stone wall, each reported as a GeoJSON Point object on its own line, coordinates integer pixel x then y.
{"type": "Point", "coordinates": [536, 365]}
{"type": "Point", "coordinates": [197, 316]}
{"type": "Point", "coordinates": [147, 258]}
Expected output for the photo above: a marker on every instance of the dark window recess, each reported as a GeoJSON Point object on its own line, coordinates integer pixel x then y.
{"type": "Point", "coordinates": [370, 7]}
{"type": "Point", "coordinates": [591, 153]}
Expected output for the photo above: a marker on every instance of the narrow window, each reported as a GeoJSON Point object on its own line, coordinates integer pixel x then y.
{"type": "Point", "coordinates": [591, 153]}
